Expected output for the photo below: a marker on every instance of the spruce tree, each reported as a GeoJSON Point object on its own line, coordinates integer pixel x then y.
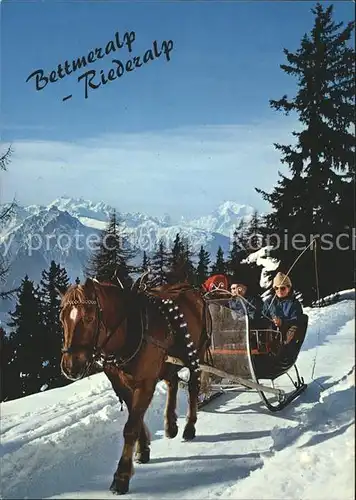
{"type": "Point", "coordinates": [5, 158]}
{"type": "Point", "coordinates": [145, 262]}
{"type": "Point", "coordinates": [202, 271]}
{"type": "Point", "coordinates": [219, 266]}
{"type": "Point", "coordinates": [7, 374]}
{"type": "Point", "coordinates": [240, 236]}
{"type": "Point", "coordinates": [5, 215]}
{"type": "Point", "coordinates": [54, 279]}
{"type": "Point", "coordinates": [238, 249]}
{"type": "Point", "coordinates": [317, 197]}
{"type": "Point", "coordinates": [111, 259]}
{"type": "Point", "coordinates": [189, 272]}
{"type": "Point", "coordinates": [176, 252]}
{"type": "Point", "coordinates": [174, 273]}
{"type": "Point", "coordinates": [160, 262]}
{"type": "Point", "coordinates": [180, 265]}
{"type": "Point", "coordinates": [253, 234]}
{"type": "Point", "coordinates": [27, 337]}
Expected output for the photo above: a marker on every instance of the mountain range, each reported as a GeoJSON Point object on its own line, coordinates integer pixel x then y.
{"type": "Point", "coordinates": [67, 230]}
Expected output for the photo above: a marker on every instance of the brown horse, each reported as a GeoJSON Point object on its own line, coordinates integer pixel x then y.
{"type": "Point", "coordinates": [130, 333]}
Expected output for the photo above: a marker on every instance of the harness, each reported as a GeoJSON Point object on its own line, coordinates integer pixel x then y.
{"type": "Point", "coordinates": [96, 350]}
{"type": "Point", "coordinates": [174, 319]}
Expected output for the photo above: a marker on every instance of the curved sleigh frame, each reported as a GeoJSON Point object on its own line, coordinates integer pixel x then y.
{"type": "Point", "coordinates": [261, 355]}
{"type": "Point", "coordinates": [272, 366]}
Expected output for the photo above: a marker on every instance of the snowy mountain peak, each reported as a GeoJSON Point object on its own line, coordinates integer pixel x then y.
{"type": "Point", "coordinates": [229, 208]}
{"type": "Point", "coordinates": [224, 219]}
{"type": "Point", "coordinates": [79, 207]}
{"type": "Point", "coordinates": [66, 217]}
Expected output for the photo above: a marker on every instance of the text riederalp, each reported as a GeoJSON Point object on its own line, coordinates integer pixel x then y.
{"type": "Point", "coordinates": [94, 81]}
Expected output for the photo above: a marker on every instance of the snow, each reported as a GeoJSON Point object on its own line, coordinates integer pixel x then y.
{"type": "Point", "coordinates": [262, 258]}
{"type": "Point", "coordinates": [335, 297]}
{"type": "Point", "coordinates": [65, 443]}
{"type": "Point", "coordinates": [224, 220]}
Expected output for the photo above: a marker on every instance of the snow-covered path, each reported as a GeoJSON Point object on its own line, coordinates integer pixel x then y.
{"type": "Point", "coordinates": [65, 443]}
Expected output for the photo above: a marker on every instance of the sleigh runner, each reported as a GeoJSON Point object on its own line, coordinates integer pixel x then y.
{"type": "Point", "coordinates": [243, 356]}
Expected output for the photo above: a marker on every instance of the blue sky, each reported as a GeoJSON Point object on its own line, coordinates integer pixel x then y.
{"type": "Point", "coordinates": [179, 136]}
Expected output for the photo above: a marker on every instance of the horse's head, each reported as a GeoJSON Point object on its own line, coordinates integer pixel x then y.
{"type": "Point", "coordinates": [90, 314]}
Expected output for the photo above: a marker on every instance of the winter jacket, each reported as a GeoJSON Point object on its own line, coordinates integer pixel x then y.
{"type": "Point", "coordinates": [253, 306]}
{"type": "Point", "coordinates": [288, 309]}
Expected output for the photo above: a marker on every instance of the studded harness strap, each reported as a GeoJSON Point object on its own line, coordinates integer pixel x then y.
{"type": "Point", "coordinates": [172, 315]}
{"type": "Point", "coordinates": [175, 320]}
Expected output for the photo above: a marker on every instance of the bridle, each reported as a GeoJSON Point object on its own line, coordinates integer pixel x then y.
{"type": "Point", "coordinates": [99, 321]}
{"type": "Point", "coordinates": [96, 353]}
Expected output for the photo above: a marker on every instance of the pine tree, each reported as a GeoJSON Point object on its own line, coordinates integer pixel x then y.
{"type": "Point", "coordinates": [219, 266]}
{"type": "Point", "coordinates": [234, 257]}
{"type": "Point", "coordinates": [27, 339]}
{"type": "Point", "coordinates": [111, 260]}
{"type": "Point", "coordinates": [174, 273]}
{"type": "Point", "coordinates": [180, 265]}
{"type": "Point", "coordinates": [202, 271]}
{"type": "Point", "coordinates": [145, 262]}
{"type": "Point", "coordinates": [187, 261]}
{"type": "Point", "coordinates": [238, 249]}
{"type": "Point", "coordinates": [54, 279]}
{"type": "Point", "coordinates": [7, 374]}
{"type": "Point", "coordinates": [177, 250]}
{"type": "Point", "coordinates": [5, 158]}
{"type": "Point", "coordinates": [240, 236]}
{"type": "Point", "coordinates": [5, 215]}
{"type": "Point", "coordinates": [318, 196]}
{"type": "Point", "coordinates": [254, 233]}
{"type": "Point", "coordinates": [160, 262]}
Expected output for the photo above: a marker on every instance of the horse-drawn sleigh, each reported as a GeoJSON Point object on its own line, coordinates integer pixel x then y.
{"type": "Point", "coordinates": [244, 354]}
{"type": "Point", "coordinates": [145, 334]}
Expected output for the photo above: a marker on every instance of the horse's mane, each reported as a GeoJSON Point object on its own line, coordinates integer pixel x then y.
{"type": "Point", "coordinates": [74, 293]}
{"type": "Point", "coordinates": [105, 283]}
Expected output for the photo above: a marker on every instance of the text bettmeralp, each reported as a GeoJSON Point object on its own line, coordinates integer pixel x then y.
{"type": "Point", "coordinates": [93, 78]}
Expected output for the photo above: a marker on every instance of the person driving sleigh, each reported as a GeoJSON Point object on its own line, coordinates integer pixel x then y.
{"type": "Point", "coordinates": [283, 309]}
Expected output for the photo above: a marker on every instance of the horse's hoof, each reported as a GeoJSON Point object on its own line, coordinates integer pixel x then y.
{"type": "Point", "coordinates": [171, 431]}
{"type": "Point", "coordinates": [189, 432]}
{"type": "Point", "coordinates": [143, 457]}
{"type": "Point", "coordinates": [119, 487]}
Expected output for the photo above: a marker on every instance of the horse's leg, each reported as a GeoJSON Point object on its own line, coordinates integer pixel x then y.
{"type": "Point", "coordinates": [193, 389]}
{"type": "Point", "coordinates": [140, 401]}
{"type": "Point", "coordinates": [121, 391]}
{"type": "Point", "coordinates": [142, 455]}
{"type": "Point", "coordinates": [170, 416]}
